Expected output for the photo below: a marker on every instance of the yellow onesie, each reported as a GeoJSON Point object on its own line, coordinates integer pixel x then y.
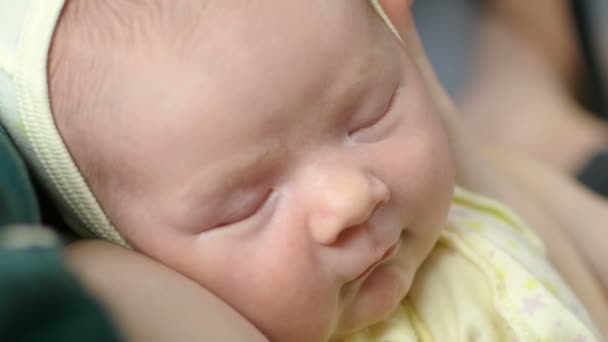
{"type": "Point", "coordinates": [487, 279]}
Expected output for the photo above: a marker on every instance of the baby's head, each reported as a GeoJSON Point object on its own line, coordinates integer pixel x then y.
{"type": "Point", "coordinates": [283, 154]}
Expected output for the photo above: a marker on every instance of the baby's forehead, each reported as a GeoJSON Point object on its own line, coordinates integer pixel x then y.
{"type": "Point", "coordinates": [189, 22]}
{"type": "Point", "coordinates": [272, 64]}
{"type": "Point", "coordinates": [268, 53]}
{"type": "Point", "coordinates": [225, 40]}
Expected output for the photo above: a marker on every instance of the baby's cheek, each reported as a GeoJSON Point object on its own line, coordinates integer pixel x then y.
{"type": "Point", "coordinates": [285, 297]}
{"type": "Point", "coordinates": [435, 187]}
{"type": "Point", "coordinates": [421, 178]}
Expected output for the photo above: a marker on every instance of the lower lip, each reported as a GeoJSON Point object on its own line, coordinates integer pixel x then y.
{"type": "Point", "coordinates": [388, 254]}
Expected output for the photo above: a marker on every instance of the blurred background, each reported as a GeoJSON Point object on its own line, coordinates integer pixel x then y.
{"type": "Point", "coordinates": [530, 76]}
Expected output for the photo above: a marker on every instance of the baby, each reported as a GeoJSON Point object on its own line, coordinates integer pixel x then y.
{"type": "Point", "coordinates": [297, 142]}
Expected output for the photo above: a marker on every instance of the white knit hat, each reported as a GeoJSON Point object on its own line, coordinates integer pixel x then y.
{"type": "Point", "coordinates": [26, 31]}
{"type": "Point", "coordinates": [376, 5]}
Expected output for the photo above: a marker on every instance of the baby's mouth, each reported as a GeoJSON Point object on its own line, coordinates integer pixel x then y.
{"type": "Point", "coordinates": [390, 252]}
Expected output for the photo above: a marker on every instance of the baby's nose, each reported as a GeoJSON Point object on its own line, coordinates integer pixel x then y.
{"type": "Point", "coordinates": [346, 199]}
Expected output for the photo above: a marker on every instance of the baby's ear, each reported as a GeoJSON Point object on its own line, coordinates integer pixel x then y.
{"type": "Point", "coordinates": [400, 14]}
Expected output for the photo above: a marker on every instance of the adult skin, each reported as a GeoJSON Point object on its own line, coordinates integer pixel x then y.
{"type": "Point", "coordinates": [150, 302]}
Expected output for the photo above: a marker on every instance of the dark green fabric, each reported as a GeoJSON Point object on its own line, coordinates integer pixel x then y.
{"type": "Point", "coordinates": [40, 300]}
{"type": "Point", "coordinates": [595, 173]}
{"type": "Point", "coordinates": [17, 200]}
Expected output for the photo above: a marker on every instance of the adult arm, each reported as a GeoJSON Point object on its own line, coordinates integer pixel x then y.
{"type": "Point", "coordinates": [150, 302]}
{"type": "Point", "coordinates": [583, 215]}
{"type": "Point", "coordinates": [569, 220]}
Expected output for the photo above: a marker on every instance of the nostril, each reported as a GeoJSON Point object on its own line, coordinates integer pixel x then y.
{"type": "Point", "coordinates": [325, 230]}
{"type": "Point", "coordinates": [347, 200]}
{"type": "Point", "coordinates": [332, 231]}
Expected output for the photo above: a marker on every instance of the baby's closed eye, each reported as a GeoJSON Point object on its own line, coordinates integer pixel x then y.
{"type": "Point", "coordinates": [245, 208]}
{"type": "Point", "coordinates": [375, 125]}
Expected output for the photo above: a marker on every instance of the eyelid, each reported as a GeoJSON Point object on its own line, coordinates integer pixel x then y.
{"type": "Point", "coordinates": [260, 206]}
{"type": "Point", "coordinates": [377, 118]}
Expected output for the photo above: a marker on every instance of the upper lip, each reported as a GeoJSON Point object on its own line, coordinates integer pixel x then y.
{"type": "Point", "coordinates": [388, 252]}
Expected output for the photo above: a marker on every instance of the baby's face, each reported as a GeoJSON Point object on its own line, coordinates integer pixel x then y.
{"type": "Point", "coordinates": [293, 164]}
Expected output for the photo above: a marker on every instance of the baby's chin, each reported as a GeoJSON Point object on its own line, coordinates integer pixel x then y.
{"type": "Point", "coordinates": [379, 295]}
